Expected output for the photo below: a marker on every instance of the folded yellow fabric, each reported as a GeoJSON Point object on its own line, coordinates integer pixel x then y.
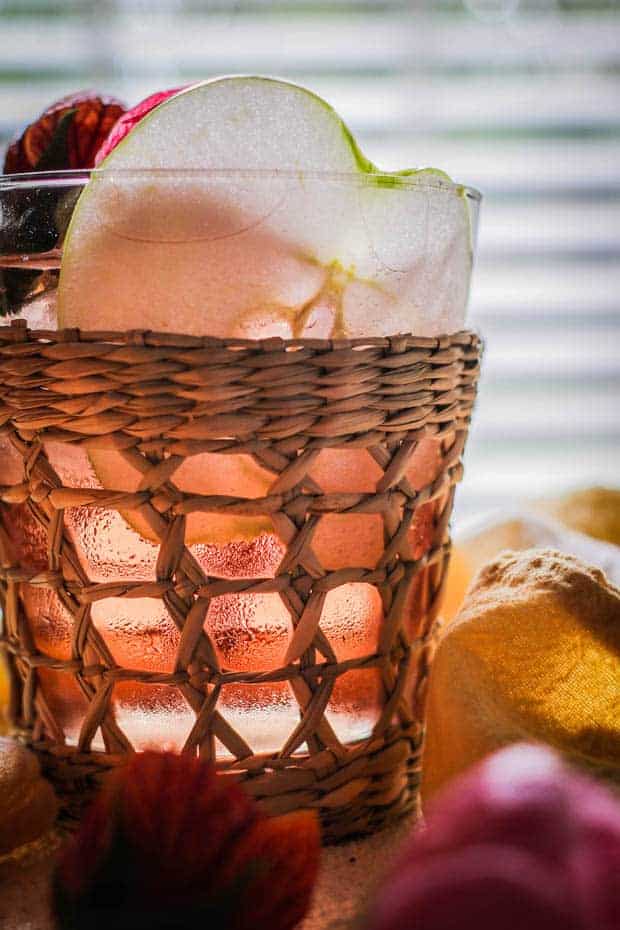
{"type": "Point", "coordinates": [533, 654]}
{"type": "Point", "coordinates": [593, 511]}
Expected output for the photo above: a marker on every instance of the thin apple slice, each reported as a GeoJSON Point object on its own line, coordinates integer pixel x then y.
{"type": "Point", "coordinates": [227, 208]}
{"type": "Point", "coordinates": [203, 474]}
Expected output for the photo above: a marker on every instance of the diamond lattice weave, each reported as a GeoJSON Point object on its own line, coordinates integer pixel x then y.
{"type": "Point", "coordinates": [159, 399]}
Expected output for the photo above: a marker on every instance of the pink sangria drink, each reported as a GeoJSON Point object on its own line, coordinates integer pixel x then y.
{"type": "Point", "coordinates": [241, 209]}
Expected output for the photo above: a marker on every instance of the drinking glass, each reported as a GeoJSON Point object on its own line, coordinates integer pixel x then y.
{"type": "Point", "coordinates": [226, 531]}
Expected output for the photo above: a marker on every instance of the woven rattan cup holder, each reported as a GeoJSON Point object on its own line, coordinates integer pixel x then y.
{"type": "Point", "coordinates": [282, 402]}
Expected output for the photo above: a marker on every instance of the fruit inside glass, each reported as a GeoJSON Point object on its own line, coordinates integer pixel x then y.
{"type": "Point", "coordinates": [248, 254]}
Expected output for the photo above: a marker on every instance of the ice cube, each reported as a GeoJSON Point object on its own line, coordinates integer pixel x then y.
{"type": "Point", "coordinates": [264, 715]}
{"type": "Point", "coordinates": [108, 547]}
{"type": "Point", "coordinates": [348, 540]}
{"type": "Point", "coordinates": [346, 471]}
{"type": "Point", "coordinates": [256, 558]}
{"type": "Point", "coordinates": [138, 631]}
{"type": "Point", "coordinates": [355, 704]}
{"type": "Point", "coordinates": [50, 622]}
{"type": "Point", "coordinates": [250, 631]}
{"type": "Point", "coordinates": [152, 716]}
{"type": "Point", "coordinates": [351, 620]}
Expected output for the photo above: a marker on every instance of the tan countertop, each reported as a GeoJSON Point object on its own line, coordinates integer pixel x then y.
{"type": "Point", "coordinates": [347, 875]}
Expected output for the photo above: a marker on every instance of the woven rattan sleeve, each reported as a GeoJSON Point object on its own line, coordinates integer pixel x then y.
{"type": "Point", "coordinates": [161, 398]}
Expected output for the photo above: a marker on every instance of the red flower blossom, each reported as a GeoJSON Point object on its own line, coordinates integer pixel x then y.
{"type": "Point", "coordinates": [168, 844]}
{"type": "Point", "coordinates": [66, 136]}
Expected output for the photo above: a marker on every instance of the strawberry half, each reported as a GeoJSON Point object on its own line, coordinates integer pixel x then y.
{"type": "Point", "coordinates": [168, 844]}
{"type": "Point", "coordinates": [129, 119]}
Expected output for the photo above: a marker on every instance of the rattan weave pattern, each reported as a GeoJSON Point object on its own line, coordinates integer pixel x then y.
{"type": "Point", "coordinates": [160, 398]}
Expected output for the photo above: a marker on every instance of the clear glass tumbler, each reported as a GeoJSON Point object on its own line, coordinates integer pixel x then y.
{"type": "Point", "coordinates": [324, 262]}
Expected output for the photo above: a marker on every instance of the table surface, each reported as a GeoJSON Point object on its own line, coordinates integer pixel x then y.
{"type": "Point", "coordinates": [347, 876]}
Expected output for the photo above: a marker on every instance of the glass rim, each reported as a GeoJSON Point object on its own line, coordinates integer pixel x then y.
{"type": "Point", "coordinates": [419, 178]}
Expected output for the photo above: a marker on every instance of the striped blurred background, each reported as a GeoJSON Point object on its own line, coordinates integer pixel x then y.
{"type": "Point", "coordinates": [519, 99]}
